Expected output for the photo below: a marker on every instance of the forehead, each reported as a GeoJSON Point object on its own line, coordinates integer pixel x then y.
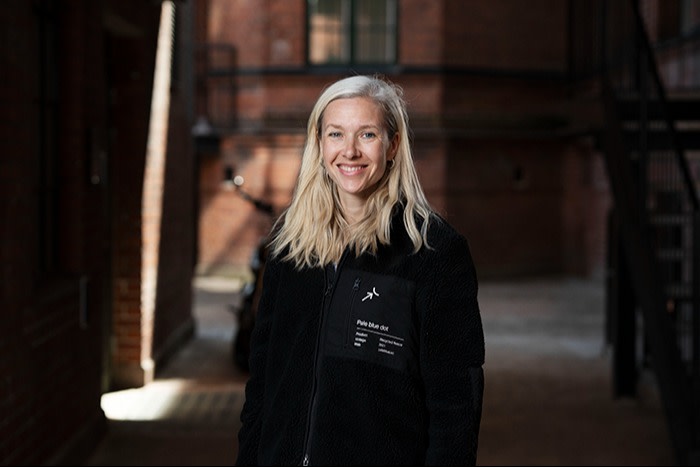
{"type": "Point", "coordinates": [349, 110]}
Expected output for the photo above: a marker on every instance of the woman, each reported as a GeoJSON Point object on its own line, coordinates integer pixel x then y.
{"type": "Point", "coordinates": [368, 345]}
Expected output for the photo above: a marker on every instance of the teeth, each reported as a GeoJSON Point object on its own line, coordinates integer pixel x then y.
{"type": "Point", "coordinates": [351, 169]}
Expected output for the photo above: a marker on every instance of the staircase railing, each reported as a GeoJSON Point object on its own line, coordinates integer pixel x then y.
{"type": "Point", "coordinates": [655, 222]}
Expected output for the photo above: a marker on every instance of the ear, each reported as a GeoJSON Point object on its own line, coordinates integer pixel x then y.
{"type": "Point", "coordinates": [393, 147]}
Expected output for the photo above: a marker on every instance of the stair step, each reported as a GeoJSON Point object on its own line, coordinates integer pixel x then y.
{"type": "Point", "coordinates": [659, 140]}
{"type": "Point", "coordinates": [678, 109]}
{"type": "Point", "coordinates": [672, 254]}
{"type": "Point", "coordinates": [671, 219]}
{"type": "Point", "coordinates": [679, 290]}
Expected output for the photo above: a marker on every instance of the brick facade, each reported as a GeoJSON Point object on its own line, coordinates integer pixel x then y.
{"type": "Point", "coordinates": [496, 129]}
{"type": "Point", "coordinates": [76, 88]}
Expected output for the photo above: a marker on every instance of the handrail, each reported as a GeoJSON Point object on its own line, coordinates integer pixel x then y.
{"type": "Point", "coordinates": [663, 104]}
{"type": "Point", "coordinates": [665, 359]}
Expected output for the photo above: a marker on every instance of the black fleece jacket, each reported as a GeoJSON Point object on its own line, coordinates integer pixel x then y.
{"type": "Point", "coordinates": [377, 363]}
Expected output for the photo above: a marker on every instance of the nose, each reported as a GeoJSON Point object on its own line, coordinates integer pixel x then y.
{"type": "Point", "coordinates": [350, 149]}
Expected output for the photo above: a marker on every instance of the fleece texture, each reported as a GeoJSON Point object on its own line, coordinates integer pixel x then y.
{"type": "Point", "coordinates": [377, 362]}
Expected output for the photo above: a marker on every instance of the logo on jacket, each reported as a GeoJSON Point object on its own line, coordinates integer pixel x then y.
{"type": "Point", "coordinates": [371, 294]}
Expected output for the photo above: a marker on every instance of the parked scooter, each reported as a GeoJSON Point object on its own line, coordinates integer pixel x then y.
{"type": "Point", "coordinates": [247, 306]}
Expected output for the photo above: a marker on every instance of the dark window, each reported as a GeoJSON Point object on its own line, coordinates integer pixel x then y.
{"type": "Point", "coordinates": [352, 32]}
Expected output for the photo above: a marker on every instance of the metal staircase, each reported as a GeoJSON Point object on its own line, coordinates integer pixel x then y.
{"type": "Point", "coordinates": [654, 286]}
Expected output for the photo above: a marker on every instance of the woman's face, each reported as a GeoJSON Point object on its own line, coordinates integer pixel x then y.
{"type": "Point", "coordinates": [355, 147]}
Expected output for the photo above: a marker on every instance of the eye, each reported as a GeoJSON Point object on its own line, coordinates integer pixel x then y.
{"type": "Point", "coordinates": [368, 135]}
{"type": "Point", "coordinates": [334, 134]}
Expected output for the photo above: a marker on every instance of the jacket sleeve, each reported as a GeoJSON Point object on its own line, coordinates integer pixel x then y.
{"type": "Point", "coordinates": [252, 413]}
{"type": "Point", "coordinates": [452, 353]}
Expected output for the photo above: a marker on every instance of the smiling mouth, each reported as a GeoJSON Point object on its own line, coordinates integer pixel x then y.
{"type": "Point", "coordinates": [351, 169]}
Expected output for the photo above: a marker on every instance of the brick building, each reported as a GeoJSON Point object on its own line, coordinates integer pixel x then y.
{"type": "Point", "coordinates": [501, 129]}
{"type": "Point", "coordinates": [97, 195]}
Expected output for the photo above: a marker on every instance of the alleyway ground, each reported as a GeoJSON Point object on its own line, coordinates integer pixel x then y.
{"type": "Point", "coordinates": [548, 397]}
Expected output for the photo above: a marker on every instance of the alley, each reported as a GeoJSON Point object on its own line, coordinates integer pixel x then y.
{"type": "Point", "coordinates": [548, 397]}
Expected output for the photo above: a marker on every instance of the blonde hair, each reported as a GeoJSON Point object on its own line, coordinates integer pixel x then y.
{"type": "Point", "coordinates": [312, 229]}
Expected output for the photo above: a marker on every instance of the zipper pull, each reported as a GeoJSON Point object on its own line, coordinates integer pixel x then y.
{"type": "Point", "coordinates": [306, 460]}
{"type": "Point", "coordinates": [356, 285]}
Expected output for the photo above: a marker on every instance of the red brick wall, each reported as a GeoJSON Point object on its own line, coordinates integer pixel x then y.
{"type": "Point", "coordinates": [229, 225]}
{"type": "Point", "coordinates": [486, 100]}
{"type": "Point", "coordinates": [506, 34]}
{"type": "Point", "coordinates": [51, 334]}
{"type": "Point", "coordinates": [131, 78]}
{"type": "Point", "coordinates": [133, 59]}
{"type": "Point", "coordinates": [587, 202]}
{"type": "Point", "coordinates": [57, 322]}
{"type": "Point", "coordinates": [529, 206]}
{"type": "Point", "coordinates": [177, 244]}
{"type": "Point", "coordinates": [420, 26]}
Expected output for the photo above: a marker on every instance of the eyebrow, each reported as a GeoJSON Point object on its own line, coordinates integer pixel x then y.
{"type": "Point", "coordinates": [363, 127]}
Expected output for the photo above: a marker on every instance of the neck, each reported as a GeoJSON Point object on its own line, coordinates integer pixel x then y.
{"type": "Point", "coordinates": [353, 214]}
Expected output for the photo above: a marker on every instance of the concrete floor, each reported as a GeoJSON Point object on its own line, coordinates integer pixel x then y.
{"type": "Point", "coordinates": [547, 401]}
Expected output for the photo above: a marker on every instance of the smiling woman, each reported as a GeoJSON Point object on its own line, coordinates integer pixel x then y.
{"type": "Point", "coordinates": [368, 347]}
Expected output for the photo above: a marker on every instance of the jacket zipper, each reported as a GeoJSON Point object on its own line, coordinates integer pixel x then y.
{"type": "Point", "coordinates": [328, 289]}
{"type": "Point", "coordinates": [348, 318]}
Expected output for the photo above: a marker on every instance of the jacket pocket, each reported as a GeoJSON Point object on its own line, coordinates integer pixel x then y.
{"type": "Point", "coordinates": [375, 316]}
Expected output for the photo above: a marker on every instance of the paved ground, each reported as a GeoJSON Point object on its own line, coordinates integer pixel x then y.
{"type": "Point", "coordinates": [548, 397]}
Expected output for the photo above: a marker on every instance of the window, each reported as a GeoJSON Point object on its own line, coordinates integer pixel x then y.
{"type": "Point", "coordinates": [352, 32]}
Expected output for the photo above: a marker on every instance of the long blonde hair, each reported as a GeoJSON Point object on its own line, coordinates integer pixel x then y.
{"type": "Point", "coordinates": [312, 228]}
